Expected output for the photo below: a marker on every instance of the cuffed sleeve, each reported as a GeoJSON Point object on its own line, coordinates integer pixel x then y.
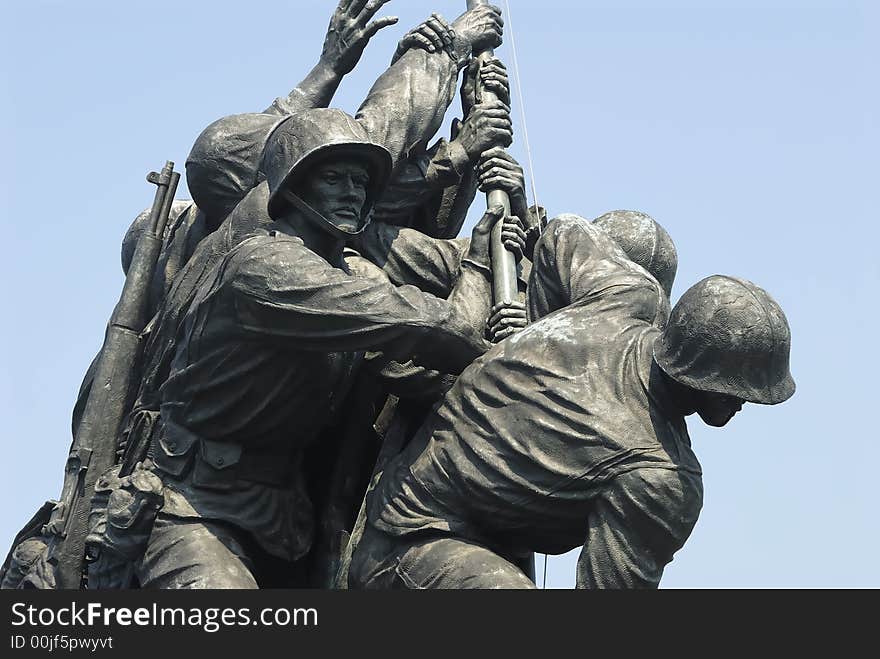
{"type": "Point", "coordinates": [294, 103]}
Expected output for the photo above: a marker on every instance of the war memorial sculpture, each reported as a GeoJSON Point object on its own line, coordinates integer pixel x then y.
{"type": "Point", "coordinates": [311, 380]}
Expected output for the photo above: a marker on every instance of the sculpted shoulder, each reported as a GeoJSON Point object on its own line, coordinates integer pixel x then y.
{"type": "Point", "coordinates": [598, 274]}
{"type": "Point", "coordinates": [266, 251]}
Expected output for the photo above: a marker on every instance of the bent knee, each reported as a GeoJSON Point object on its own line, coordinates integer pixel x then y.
{"type": "Point", "coordinates": [455, 564]}
{"type": "Point", "coordinates": [194, 555]}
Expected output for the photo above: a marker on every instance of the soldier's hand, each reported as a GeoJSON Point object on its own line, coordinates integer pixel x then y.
{"type": "Point", "coordinates": [487, 126]}
{"type": "Point", "coordinates": [482, 27]}
{"type": "Point", "coordinates": [493, 78]}
{"type": "Point", "coordinates": [478, 250]}
{"type": "Point", "coordinates": [506, 319]}
{"type": "Point", "coordinates": [513, 236]}
{"type": "Point", "coordinates": [349, 32]}
{"type": "Point", "coordinates": [434, 35]}
{"type": "Point", "coordinates": [499, 170]}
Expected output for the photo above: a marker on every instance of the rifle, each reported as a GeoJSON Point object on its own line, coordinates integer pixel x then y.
{"type": "Point", "coordinates": [94, 451]}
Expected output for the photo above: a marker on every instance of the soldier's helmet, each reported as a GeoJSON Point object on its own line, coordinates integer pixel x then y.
{"type": "Point", "coordinates": [310, 137]}
{"type": "Point", "coordinates": [645, 242]}
{"type": "Point", "coordinates": [224, 163]}
{"type": "Point", "coordinates": [726, 335]}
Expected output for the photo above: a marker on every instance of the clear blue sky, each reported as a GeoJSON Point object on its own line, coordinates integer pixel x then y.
{"type": "Point", "coordinates": [748, 129]}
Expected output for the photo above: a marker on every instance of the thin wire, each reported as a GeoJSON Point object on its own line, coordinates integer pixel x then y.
{"type": "Point", "coordinates": [517, 78]}
{"type": "Point", "coordinates": [522, 109]}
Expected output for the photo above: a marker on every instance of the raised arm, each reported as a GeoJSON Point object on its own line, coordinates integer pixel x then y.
{"type": "Point", "coordinates": [406, 105]}
{"type": "Point", "coordinates": [432, 190]}
{"type": "Point", "coordinates": [351, 28]}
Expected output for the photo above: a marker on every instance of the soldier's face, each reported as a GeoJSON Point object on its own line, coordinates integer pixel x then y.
{"type": "Point", "coordinates": [338, 191]}
{"type": "Point", "coordinates": [717, 409]}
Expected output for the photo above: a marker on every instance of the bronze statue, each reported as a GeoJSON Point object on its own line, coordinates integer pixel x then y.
{"type": "Point", "coordinates": [335, 390]}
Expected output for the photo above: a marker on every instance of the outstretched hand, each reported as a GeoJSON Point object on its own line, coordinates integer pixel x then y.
{"type": "Point", "coordinates": [349, 32]}
{"type": "Point", "coordinates": [498, 170]}
{"type": "Point", "coordinates": [513, 236]}
{"type": "Point", "coordinates": [478, 250]}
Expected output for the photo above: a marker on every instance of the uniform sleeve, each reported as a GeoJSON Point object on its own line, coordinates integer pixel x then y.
{"type": "Point", "coordinates": [285, 292]}
{"type": "Point", "coordinates": [408, 256]}
{"type": "Point", "coordinates": [406, 105]}
{"type": "Point", "coordinates": [315, 91]}
{"type": "Point", "coordinates": [426, 174]}
{"type": "Point", "coordinates": [431, 191]}
{"type": "Point", "coordinates": [450, 168]}
{"type": "Point", "coordinates": [448, 163]}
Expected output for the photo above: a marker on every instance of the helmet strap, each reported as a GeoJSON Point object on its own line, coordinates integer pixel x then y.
{"type": "Point", "coordinates": [316, 218]}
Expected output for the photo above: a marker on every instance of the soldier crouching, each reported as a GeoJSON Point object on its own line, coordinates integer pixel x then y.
{"type": "Point", "coordinates": [572, 432]}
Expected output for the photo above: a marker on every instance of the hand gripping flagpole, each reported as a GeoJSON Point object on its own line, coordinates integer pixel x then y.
{"type": "Point", "coordinates": [504, 272]}
{"type": "Point", "coordinates": [505, 277]}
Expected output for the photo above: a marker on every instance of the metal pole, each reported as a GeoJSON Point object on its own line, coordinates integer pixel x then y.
{"type": "Point", "coordinates": [504, 271]}
{"type": "Point", "coordinates": [505, 278]}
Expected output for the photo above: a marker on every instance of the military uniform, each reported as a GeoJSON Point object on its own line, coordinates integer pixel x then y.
{"type": "Point", "coordinates": [562, 434]}
{"type": "Point", "coordinates": [268, 344]}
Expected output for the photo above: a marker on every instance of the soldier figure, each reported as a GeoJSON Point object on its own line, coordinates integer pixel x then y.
{"type": "Point", "coordinates": [268, 347]}
{"type": "Point", "coordinates": [572, 432]}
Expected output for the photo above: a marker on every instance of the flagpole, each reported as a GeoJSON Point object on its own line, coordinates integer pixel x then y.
{"type": "Point", "coordinates": [504, 270]}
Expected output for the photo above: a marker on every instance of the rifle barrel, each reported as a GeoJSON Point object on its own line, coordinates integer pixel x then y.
{"type": "Point", "coordinates": [94, 451]}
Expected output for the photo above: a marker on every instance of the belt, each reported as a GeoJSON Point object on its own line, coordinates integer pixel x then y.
{"type": "Point", "coordinates": [219, 464]}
